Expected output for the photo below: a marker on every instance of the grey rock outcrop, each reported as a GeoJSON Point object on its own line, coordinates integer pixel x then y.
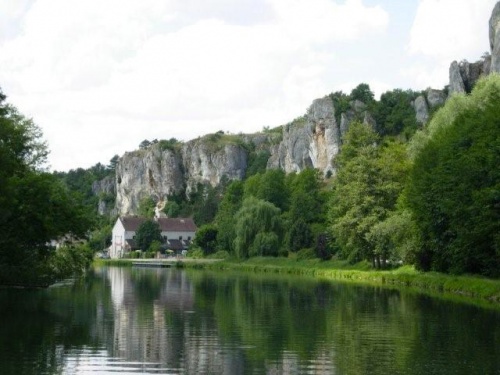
{"type": "Point", "coordinates": [421, 110]}
{"type": "Point", "coordinates": [145, 173]}
{"type": "Point", "coordinates": [471, 72]}
{"type": "Point", "coordinates": [207, 163]}
{"type": "Point", "coordinates": [464, 75]}
{"type": "Point", "coordinates": [345, 119]}
{"type": "Point", "coordinates": [495, 39]}
{"type": "Point", "coordinates": [435, 98]}
{"type": "Point", "coordinates": [456, 81]}
{"type": "Point", "coordinates": [369, 120]}
{"type": "Point", "coordinates": [312, 143]}
{"type": "Point", "coordinates": [105, 190]}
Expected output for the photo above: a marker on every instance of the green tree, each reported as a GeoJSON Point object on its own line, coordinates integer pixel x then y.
{"type": "Point", "coordinates": [147, 207]}
{"type": "Point", "coordinates": [362, 92]}
{"type": "Point", "coordinates": [206, 238]}
{"type": "Point", "coordinates": [299, 236]}
{"type": "Point", "coordinates": [454, 186]}
{"type": "Point", "coordinates": [225, 218]}
{"type": "Point", "coordinates": [112, 163]}
{"type": "Point", "coordinates": [306, 198]}
{"type": "Point", "coordinates": [268, 186]}
{"type": "Point", "coordinates": [365, 191]}
{"type": "Point", "coordinates": [35, 206]}
{"type": "Point", "coordinates": [147, 232]}
{"type": "Point", "coordinates": [172, 209]}
{"type": "Point", "coordinates": [144, 144]}
{"type": "Point", "coordinates": [258, 229]}
{"type": "Point", "coordinates": [394, 113]}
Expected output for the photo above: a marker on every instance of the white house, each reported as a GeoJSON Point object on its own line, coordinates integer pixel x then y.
{"type": "Point", "coordinates": [177, 234]}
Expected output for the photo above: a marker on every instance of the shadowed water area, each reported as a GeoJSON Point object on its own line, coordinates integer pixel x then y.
{"type": "Point", "coordinates": [168, 321]}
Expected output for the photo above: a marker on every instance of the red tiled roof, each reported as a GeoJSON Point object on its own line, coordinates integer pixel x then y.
{"type": "Point", "coordinates": [132, 223]}
{"type": "Point", "coordinates": [168, 224]}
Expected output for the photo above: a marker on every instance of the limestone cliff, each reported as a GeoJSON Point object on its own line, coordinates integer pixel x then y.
{"type": "Point", "coordinates": [312, 140]}
{"type": "Point", "coordinates": [309, 142]}
{"type": "Point", "coordinates": [105, 189]}
{"type": "Point", "coordinates": [495, 39]}
{"type": "Point", "coordinates": [208, 161]}
{"type": "Point", "coordinates": [152, 172]}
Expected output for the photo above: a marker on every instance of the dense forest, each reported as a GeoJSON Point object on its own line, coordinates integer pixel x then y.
{"type": "Point", "coordinates": [402, 194]}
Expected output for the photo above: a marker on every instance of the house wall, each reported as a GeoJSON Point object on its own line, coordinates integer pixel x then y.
{"type": "Point", "coordinates": [175, 235]}
{"type": "Point", "coordinates": [117, 248]}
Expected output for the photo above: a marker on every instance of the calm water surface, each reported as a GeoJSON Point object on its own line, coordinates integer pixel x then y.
{"type": "Point", "coordinates": [163, 321]}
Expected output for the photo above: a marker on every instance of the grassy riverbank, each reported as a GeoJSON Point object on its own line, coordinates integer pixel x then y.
{"type": "Point", "coordinates": [468, 287]}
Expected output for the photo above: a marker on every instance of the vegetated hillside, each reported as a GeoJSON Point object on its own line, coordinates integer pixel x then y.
{"type": "Point", "coordinates": [377, 166]}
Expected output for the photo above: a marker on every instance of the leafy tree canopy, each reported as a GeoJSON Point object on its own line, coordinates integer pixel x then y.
{"type": "Point", "coordinates": [147, 232]}
{"type": "Point", "coordinates": [454, 188]}
{"type": "Point", "coordinates": [35, 207]}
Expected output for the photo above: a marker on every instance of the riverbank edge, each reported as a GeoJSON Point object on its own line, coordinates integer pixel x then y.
{"type": "Point", "coordinates": [471, 288]}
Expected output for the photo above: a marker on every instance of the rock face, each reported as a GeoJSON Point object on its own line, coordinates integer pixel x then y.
{"type": "Point", "coordinates": [464, 75]}
{"type": "Point", "coordinates": [312, 143]}
{"type": "Point", "coordinates": [421, 110]}
{"type": "Point", "coordinates": [152, 173]}
{"type": "Point", "coordinates": [205, 164]}
{"type": "Point", "coordinates": [158, 173]}
{"type": "Point", "coordinates": [495, 39]}
{"type": "Point", "coordinates": [105, 190]}
{"type": "Point", "coordinates": [435, 98]}
{"type": "Point", "coordinates": [456, 80]}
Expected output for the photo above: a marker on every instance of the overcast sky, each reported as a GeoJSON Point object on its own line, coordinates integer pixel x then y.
{"type": "Point", "coordinates": [101, 76]}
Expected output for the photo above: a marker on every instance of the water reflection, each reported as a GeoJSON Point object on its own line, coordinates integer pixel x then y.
{"type": "Point", "coordinates": [159, 321]}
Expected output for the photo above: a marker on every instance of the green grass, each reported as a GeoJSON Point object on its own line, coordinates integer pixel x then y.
{"type": "Point", "coordinates": [481, 291]}
{"type": "Point", "coordinates": [113, 262]}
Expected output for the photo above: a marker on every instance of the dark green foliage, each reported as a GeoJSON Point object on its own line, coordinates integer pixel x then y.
{"type": "Point", "coordinates": [363, 93]}
{"type": "Point", "coordinates": [206, 238]}
{"type": "Point", "coordinates": [35, 207]}
{"type": "Point", "coordinates": [147, 232]}
{"type": "Point", "coordinates": [306, 200]}
{"type": "Point", "coordinates": [112, 163]}
{"type": "Point", "coordinates": [147, 207]}
{"type": "Point", "coordinates": [341, 103]}
{"type": "Point", "coordinates": [365, 191]}
{"type": "Point", "coordinates": [207, 202]}
{"type": "Point", "coordinates": [144, 144]}
{"type": "Point", "coordinates": [257, 162]}
{"type": "Point", "coordinates": [172, 209]}
{"type": "Point", "coordinates": [80, 182]}
{"type": "Point", "coordinates": [323, 249]}
{"type": "Point", "coordinates": [269, 186]}
{"type": "Point", "coordinates": [299, 236]}
{"type": "Point", "coordinates": [225, 220]}
{"type": "Point", "coordinates": [394, 113]}
{"type": "Point", "coordinates": [201, 204]}
{"type": "Point", "coordinates": [171, 144]}
{"type": "Point", "coordinates": [454, 190]}
{"type": "Point", "coordinates": [258, 229]}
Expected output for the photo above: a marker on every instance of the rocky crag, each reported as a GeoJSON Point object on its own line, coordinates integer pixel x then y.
{"type": "Point", "coordinates": [311, 141]}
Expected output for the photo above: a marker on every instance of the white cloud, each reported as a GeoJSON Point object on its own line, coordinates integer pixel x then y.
{"type": "Point", "coordinates": [451, 29]}
{"type": "Point", "coordinates": [101, 76]}
{"type": "Point", "coordinates": [443, 31]}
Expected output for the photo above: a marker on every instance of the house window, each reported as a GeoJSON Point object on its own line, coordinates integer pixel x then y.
{"type": "Point", "coordinates": [189, 238]}
{"type": "Point", "coordinates": [180, 238]}
{"type": "Point", "coordinates": [165, 238]}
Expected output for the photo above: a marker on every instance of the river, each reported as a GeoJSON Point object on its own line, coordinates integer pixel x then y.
{"type": "Point", "coordinates": [170, 321]}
